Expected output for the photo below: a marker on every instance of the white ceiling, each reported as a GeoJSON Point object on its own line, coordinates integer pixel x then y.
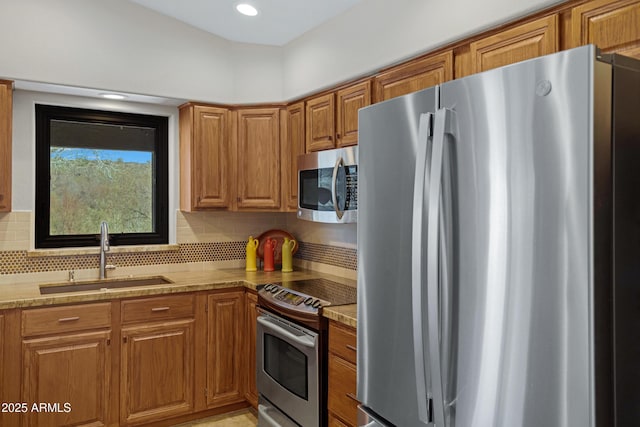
{"type": "Point", "coordinates": [277, 23]}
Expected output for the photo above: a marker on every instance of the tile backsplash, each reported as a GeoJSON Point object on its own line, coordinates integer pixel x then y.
{"type": "Point", "coordinates": [201, 237]}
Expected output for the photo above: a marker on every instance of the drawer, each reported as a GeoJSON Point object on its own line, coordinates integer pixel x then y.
{"type": "Point", "coordinates": [342, 341]}
{"type": "Point", "coordinates": [336, 422]}
{"type": "Point", "coordinates": [54, 320]}
{"type": "Point", "coordinates": [342, 389]}
{"type": "Point", "coordinates": [158, 308]}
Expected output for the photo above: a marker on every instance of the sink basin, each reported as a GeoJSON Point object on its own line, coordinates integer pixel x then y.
{"type": "Point", "coordinates": [94, 285]}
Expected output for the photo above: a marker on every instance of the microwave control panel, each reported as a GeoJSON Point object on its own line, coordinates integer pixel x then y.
{"type": "Point", "coordinates": [351, 178]}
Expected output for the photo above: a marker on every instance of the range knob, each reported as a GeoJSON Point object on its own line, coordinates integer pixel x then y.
{"type": "Point", "coordinates": [268, 287]}
{"type": "Point", "coordinates": [316, 304]}
{"type": "Point", "coordinates": [308, 301]}
{"type": "Point", "coordinates": [274, 289]}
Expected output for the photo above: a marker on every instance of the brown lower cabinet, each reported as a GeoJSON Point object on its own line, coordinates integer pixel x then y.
{"type": "Point", "coordinates": [157, 358]}
{"type": "Point", "coordinates": [169, 358]}
{"type": "Point", "coordinates": [251, 315]}
{"type": "Point", "coordinates": [342, 403]}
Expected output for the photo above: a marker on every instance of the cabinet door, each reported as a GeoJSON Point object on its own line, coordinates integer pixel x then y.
{"type": "Point", "coordinates": [71, 375]}
{"type": "Point", "coordinates": [251, 315]}
{"type": "Point", "coordinates": [258, 159]}
{"type": "Point", "coordinates": [6, 108]}
{"type": "Point", "coordinates": [293, 146]}
{"type": "Point", "coordinates": [349, 101]}
{"type": "Point", "coordinates": [204, 157]}
{"type": "Point", "coordinates": [613, 26]}
{"type": "Point", "coordinates": [413, 76]}
{"type": "Point", "coordinates": [157, 367]}
{"type": "Point", "coordinates": [224, 345]}
{"type": "Point", "coordinates": [342, 389]}
{"type": "Point", "coordinates": [530, 40]}
{"type": "Point", "coordinates": [320, 123]}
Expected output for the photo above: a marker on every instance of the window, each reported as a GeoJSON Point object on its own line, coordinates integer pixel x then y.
{"type": "Point", "coordinates": [94, 166]}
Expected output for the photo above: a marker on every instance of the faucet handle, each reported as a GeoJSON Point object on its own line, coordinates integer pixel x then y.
{"type": "Point", "coordinates": [109, 267]}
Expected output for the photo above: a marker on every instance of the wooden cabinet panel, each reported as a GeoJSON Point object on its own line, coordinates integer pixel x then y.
{"type": "Point", "coordinates": [258, 159]}
{"type": "Point", "coordinates": [613, 26]}
{"type": "Point", "coordinates": [320, 123]}
{"type": "Point", "coordinates": [224, 345]}
{"type": "Point", "coordinates": [73, 369]}
{"type": "Point", "coordinates": [342, 389]}
{"type": "Point", "coordinates": [293, 146]}
{"type": "Point", "coordinates": [158, 308]}
{"type": "Point", "coordinates": [204, 157]}
{"type": "Point", "coordinates": [6, 118]}
{"type": "Point", "coordinates": [342, 342]}
{"type": "Point", "coordinates": [157, 371]}
{"type": "Point", "coordinates": [413, 76]}
{"type": "Point", "coordinates": [530, 40]}
{"type": "Point", "coordinates": [251, 315]}
{"type": "Point", "coordinates": [349, 101]}
{"type": "Point", "coordinates": [55, 320]}
{"type": "Point", "coordinates": [336, 422]}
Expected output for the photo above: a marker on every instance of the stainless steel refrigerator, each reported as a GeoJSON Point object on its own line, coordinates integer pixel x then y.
{"type": "Point", "coordinates": [499, 248]}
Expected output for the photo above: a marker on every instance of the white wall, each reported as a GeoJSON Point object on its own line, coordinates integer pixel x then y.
{"type": "Point", "coordinates": [378, 33]}
{"type": "Point", "coordinates": [118, 45]}
{"type": "Point", "coordinates": [24, 142]}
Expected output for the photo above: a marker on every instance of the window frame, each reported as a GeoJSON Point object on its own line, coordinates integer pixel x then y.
{"type": "Point", "coordinates": [44, 114]}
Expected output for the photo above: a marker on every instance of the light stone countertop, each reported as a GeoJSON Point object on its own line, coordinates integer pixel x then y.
{"type": "Point", "coordinates": [18, 295]}
{"type": "Point", "coordinates": [345, 314]}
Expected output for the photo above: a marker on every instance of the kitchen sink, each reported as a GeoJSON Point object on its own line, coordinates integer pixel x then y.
{"type": "Point", "coordinates": [104, 284]}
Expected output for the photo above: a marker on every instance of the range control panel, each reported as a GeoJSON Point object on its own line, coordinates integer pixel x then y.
{"type": "Point", "coordinates": [292, 300]}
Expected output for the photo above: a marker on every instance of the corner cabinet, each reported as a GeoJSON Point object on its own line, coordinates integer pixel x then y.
{"type": "Point", "coordinates": [526, 41]}
{"type": "Point", "coordinates": [157, 358]}
{"type": "Point", "coordinates": [204, 157]}
{"type": "Point", "coordinates": [613, 26]}
{"type": "Point", "coordinates": [6, 112]}
{"type": "Point", "coordinates": [257, 159]}
{"type": "Point", "coordinates": [225, 328]}
{"type": "Point", "coordinates": [66, 362]}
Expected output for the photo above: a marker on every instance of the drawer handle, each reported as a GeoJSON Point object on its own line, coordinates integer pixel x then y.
{"type": "Point", "coordinates": [69, 319]}
{"type": "Point", "coordinates": [350, 347]}
{"type": "Point", "coordinates": [158, 309]}
{"type": "Point", "coordinates": [352, 396]}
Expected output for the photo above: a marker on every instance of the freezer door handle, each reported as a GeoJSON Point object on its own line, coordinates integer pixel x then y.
{"type": "Point", "coordinates": [417, 251]}
{"type": "Point", "coordinates": [444, 123]}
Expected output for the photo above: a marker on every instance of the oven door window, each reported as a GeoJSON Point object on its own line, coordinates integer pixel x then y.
{"type": "Point", "coordinates": [286, 365]}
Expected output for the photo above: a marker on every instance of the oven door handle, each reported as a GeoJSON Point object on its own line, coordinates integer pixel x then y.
{"type": "Point", "coordinates": [274, 327]}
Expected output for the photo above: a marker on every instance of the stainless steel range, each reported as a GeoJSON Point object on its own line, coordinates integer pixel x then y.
{"type": "Point", "coordinates": [291, 350]}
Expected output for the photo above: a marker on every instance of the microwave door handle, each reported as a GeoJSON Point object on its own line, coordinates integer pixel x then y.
{"type": "Point", "coordinates": [274, 327]}
{"type": "Point", "coordinates": [334, 190]}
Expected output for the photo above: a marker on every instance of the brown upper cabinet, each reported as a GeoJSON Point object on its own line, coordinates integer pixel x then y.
{"type": "Point", "coordinates": [204, 157]}
{"type": "Point", "coordinates": [325, 128]}
{"type": "Point", "coordinates": [612, 26]}
{"type": "Point", "coordinates": [6, 107]}
{"type": "Point", "coordinates": [413, 75]}
{"type": "Point", "coordinates": [258, 174]}
{"type": "Point", "coordinates": [349, 101]}
{"type": "Point", "coordinates": [320, 123]}
{"type": "Point", "coordinates": [526, 41]}
{"type": "Point", "coordinates": [293, 143]}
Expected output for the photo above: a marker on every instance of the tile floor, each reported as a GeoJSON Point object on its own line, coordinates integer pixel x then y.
{"type": "Point", "coordinates": [242, 418]}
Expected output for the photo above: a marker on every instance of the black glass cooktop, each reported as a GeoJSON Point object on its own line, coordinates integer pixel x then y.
{"type": "Point", "coordinates": [325, 289]}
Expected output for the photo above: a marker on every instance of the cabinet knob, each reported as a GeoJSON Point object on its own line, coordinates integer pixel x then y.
{"type": "Point", "coordinates": [338, 135]}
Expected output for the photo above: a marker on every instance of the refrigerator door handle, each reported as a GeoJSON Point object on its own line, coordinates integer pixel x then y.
{"type": "Point", "coordinates": [334, 190]}
{"type": "Point", "coordinates": [444, 123]}
{"type": "Point", "coordinates": [417, 255]}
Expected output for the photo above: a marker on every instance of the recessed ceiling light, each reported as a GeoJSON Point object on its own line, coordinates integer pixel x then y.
{"type": "Point", "coordinates": [247, 9]}
{"type": "Point", "coordinates": [113, 96]}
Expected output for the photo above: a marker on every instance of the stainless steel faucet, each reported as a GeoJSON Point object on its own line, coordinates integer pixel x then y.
{"type": "Point", "coordinates": [104, 248]}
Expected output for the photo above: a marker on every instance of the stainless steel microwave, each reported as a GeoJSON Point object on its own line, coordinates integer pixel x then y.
{"type": "Point", "coordinates": [328, 185]}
